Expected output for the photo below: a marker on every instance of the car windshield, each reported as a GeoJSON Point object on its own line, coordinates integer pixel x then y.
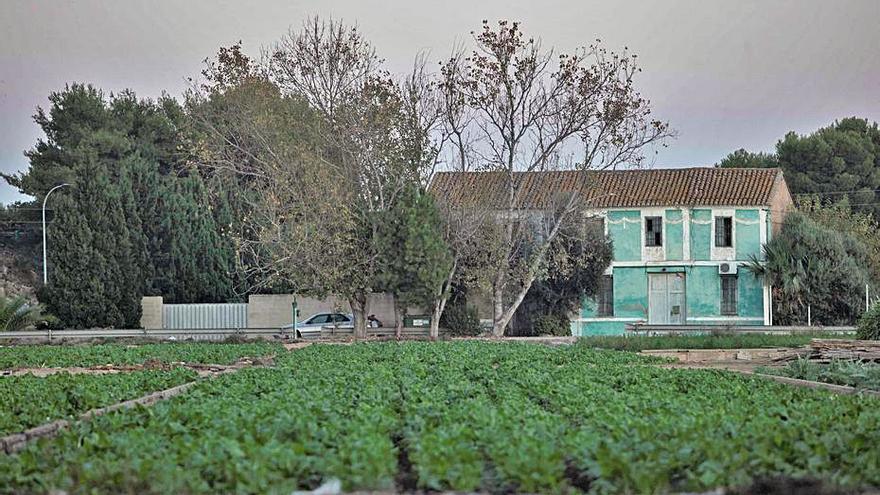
{"type": "Point", "coordinates": [319, 319]}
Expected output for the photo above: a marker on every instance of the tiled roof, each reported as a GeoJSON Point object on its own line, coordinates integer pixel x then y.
{"type": "Point", "coordinates": [615, 188]}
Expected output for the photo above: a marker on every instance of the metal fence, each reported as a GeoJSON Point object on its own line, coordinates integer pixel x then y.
{"type": "Point", "coordinates": [207, 316]}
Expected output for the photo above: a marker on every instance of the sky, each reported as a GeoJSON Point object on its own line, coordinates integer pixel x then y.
{"type": "Point", "coordinates": [724, 74]}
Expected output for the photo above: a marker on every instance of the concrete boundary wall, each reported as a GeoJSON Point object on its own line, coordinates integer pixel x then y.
{"type": "Point", "coordinates": [151, 315]}
{"type": "Point", "coordinates": [268, 310]}
{"type": "Point", "coordinates": [275, 310]}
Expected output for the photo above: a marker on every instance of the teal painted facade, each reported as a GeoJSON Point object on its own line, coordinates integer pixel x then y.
{"type": "Point", "coordinates": [626, 227]}
{"type": "Point", "coordinates": [688, 251]}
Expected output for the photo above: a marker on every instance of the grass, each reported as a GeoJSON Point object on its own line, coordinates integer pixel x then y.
{"type": "Point", "coordinates": [839, 372]}
{"type": "Point", "coordinates": [711, 341]}
{"type": "Point", "coordinates": [463, 417]}
{"type": "Point", "coordinates": [50, 356]}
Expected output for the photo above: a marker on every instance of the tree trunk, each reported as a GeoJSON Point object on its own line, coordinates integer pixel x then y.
{"type": "Point", "coordinates": [440, 300]}
{"type": "Point", "coordinates": [439, 306]}
{"type": "Point", "coordinates": [398, 317]}
{"type": "Point", "coordinates": [498, 324]}
{"type": "Point", "coordinates": [507, 314]}
{"type": "Point", "coordinates": [503, 316]}
{"type": "Point", "coordinates": [358, 303]}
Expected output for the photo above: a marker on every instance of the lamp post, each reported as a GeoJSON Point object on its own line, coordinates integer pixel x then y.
{"type": "Point", "coordinates": [45, 198]}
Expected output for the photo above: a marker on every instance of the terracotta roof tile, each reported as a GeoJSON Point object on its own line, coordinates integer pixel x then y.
{"type": "Point", "coordinates": [615, 188]}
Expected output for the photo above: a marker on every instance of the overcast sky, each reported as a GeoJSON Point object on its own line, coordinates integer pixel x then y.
{"type": "Point", "coordinates": [725, 74]}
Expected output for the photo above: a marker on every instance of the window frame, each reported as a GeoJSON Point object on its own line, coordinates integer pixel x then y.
{"type": "Point", "coordinates": [728, 307]}
{"type": "Point", "coordinates": [605, 296]}
{"type": "Point", "coordinates": [726, 233]}
{"type": "Point", "coordinates": [656, 229]}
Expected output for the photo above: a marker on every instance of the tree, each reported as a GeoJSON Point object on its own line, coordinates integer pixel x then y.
{"type": "Point", "coordinates": [295, 230]}
{"type": "Point", "coordinates": [144, 149]}
{"type": "Point", "coordinates": [333, 146]}
{"type": "Point", "coordinates": [515, 107]}
{"type": "Point", "coordinates": [840, 217]}
{"type": "Point", "coordinates": [334, 69]}
{"type": "Point", "coordinates": [837, 162]}
{"type": "Point", "coordinates": [414, 259]}
{"type": "Point", "coordinates": [576, 262]}
{"type": "Point", "coordinates": [91, 262]}
{"type": "Point", "coordinates": [196, 263]}
{"type": "Point", "coordinates": [746, 159]}
{"type": "Point", "coordinates": [816, 268]}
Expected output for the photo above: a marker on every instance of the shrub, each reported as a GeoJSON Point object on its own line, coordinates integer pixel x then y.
{"type": "Point", "coordinates": [16, 314]}
{"type": "Point", "coordinates": [551, 325]}
{"type": "Point", "coordinates": [461, 320]}
{"type": "Point", "coordinates": [869, 324]}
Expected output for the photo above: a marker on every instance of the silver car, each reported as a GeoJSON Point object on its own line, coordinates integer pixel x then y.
{"type": "Point", "coordinates": [311, 326]}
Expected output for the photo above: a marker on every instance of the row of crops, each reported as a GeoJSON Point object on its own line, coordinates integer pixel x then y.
{"type": "Point", "coordinates": [462, 416]}
{"type": "Point", "coordinates": [28, 401]}
{"type": "Point", "coordinates": [34, 356]}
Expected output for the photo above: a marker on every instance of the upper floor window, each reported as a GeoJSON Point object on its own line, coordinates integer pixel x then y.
{"type": "Point", "coordinates": [728, 295]}
{"type": "Point", "coordinates": [723, 231]}
{"type": "Point", "coordinates": [653, 231]}
{"type": "Point", "coordinates": [605, 297]}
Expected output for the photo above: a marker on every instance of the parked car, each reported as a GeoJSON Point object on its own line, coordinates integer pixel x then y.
{"type": "Point", "coordinates": [311, 326]}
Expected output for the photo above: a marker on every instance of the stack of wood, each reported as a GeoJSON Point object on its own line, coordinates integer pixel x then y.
{"type": "Point", "coordinates": [824, 350]}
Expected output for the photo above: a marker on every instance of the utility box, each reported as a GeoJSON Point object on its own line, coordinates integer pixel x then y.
{"type": "Point", "coordinates": [417, 321]}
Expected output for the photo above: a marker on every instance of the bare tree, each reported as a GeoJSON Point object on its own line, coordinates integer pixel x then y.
{"type": "Point", "coordinates": [261, 145]}
{"type": "Point", "coordinates": [512, 107]}
{"type": "Point", "coordinates": [377, 132]}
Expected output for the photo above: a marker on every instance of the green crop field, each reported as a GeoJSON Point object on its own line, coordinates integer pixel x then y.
{"type": "Point", "coordinates": [25, 356]}
{"type": "Point", "coordinates": [28, 401]}
{"type": "Point", "coordinates": [462, 416]}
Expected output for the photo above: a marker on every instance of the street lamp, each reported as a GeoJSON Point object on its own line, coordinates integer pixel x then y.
{"type": "Point", "coordinates": [59, 186]}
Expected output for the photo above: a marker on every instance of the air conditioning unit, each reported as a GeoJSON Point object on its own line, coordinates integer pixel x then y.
{"type": "Point", "coordinates": [727, 269]}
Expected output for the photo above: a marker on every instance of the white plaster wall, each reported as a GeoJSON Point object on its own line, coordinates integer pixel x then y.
{"type": "Point", "coordinates": [723, 253]}
{"type": "Point", "coordinates": [653, 253]}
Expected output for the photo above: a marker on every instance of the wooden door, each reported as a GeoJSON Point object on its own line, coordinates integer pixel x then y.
{"type": "Point", "coordinates": [666, 299]}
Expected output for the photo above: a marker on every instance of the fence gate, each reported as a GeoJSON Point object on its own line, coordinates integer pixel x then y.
{"type": "Point", "coordinates": [184, 316]}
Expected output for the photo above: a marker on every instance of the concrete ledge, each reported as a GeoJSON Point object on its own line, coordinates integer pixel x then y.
{"type": "Point", "coordinates": [837, 389]}
{"type": "Point", "coordinates": [719, 355]}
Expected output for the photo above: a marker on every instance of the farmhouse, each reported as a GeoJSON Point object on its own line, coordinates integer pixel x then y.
{"type": "Point", "coordinates": [680, 238]}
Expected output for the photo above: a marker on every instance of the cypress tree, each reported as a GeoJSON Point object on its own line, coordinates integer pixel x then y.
{"type": "Point", "coordinates": [94, 279]}
{"type": "Point", "coordinates": [197, 265]}
{"type": "Point", "coordinates": [414, 258]}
